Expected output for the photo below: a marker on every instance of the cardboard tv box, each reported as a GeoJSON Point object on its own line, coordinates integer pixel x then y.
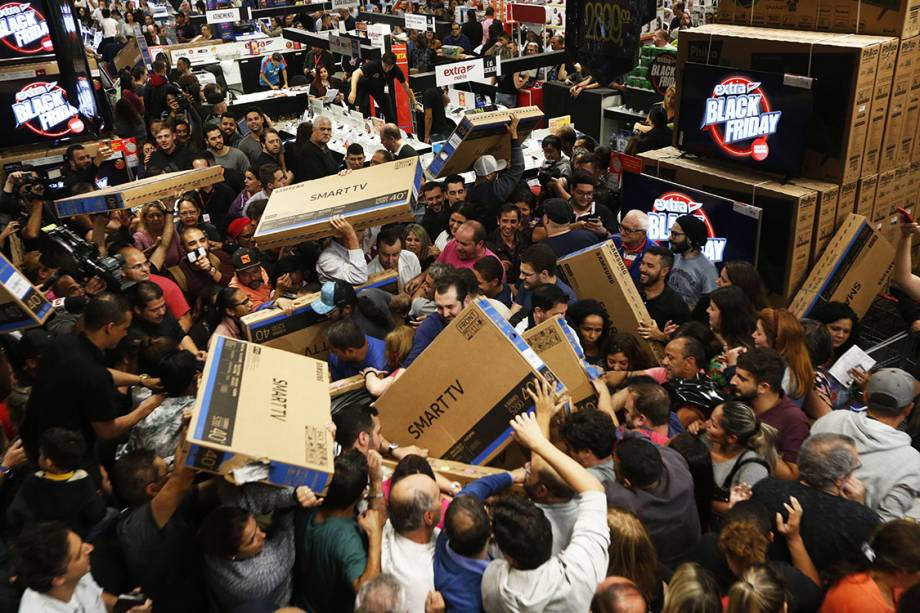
{"type": "Point", "coordinates": [900, 19]}
{"type": "Point", "coordinates": [788, 216]}
{"type": "Point", "coordinates": [258, 404]}
{"type": "Point", "coordinates": [881, 103]}
{"type": "Point", "coordinates": [480, 134]}
{"type": "Point", "coordinates": [854, 268]}
{"type": "Point", "coordinates": [22, 305]}
{"type": "Point", "coordinates": [598, 272]}
{"type": "Point", "coordinates": [303, 331]}
{"type": "Point", "coordinates": [461, 412]}
{"type": "Point", "coordinates": [844, 70]}
{"type": "Point", "coordinates": [901, 122]}
{"type": "Point", "coordinates": [825, 214]}
{"type": "Point", "coordinates": [453, 471]}
{"type": "Point", "coordinates": [371, 196]}
{"type": "Point", "coordinates": [557, 345]}
{"type": "Point", "coordinates": [138, 193]}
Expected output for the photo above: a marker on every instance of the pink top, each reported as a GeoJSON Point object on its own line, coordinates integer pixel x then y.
{"type": "Point", "coordinates": [144, 241]}
{"type": "Point", "coordinates": [449, 256]}
{"type": "Point", "coordinates": [659, 374]}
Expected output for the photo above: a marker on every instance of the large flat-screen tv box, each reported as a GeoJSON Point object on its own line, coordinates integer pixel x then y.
{"type": "Point", "coordinates": [842, 70]}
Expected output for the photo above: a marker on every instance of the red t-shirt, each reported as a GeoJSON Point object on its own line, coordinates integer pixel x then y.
{"type": "Point", "coordinates": [175, 299]}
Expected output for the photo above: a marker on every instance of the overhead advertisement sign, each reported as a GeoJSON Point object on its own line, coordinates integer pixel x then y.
{"type": "Point", "coordinates": [459, 72]}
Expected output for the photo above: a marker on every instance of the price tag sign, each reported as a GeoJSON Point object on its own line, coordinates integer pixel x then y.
{"type": "Point", "coordinates": [419, 22]}
{"type": "Point", "coordinates": [223, 16]}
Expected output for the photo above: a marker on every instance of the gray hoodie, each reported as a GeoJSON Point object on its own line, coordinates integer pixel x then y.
{"type": "Point", "coordinates": [890, 466]}
{"type": "Point", "coordinates": [564, 583]}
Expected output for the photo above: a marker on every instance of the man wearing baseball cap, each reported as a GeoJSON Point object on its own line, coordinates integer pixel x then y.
{"type": "Point", "coordinates": [890, 466]}
{"type": "Point", "coordinates": [250, 277]}
{"type": "Point", "coordinates": [338, 300]}
{"type": "Point", "coordinates": [561, 237]}
{"type": "Point", "coordinates": [693, 274]}
{"type": "Point", "coordinates": [495, 181]}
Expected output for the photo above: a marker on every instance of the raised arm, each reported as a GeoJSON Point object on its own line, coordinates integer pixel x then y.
{"type": "Point", "coordinates": [527, 432]}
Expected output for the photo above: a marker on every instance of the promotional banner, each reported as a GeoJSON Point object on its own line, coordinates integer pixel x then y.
{"type": "Point", "coordinates": [604, 34]}
{"type": "Point", "coordinates": [733, 227]}
{"type": "Point", "coordinates": [662, 73]}
{"type": "Point", "coordinates": [419, 22]}
{"type": "Point", "coordinates": [757, 118]}
{"type": "Point", "coordinates": [403, 105]}
{"type": "Point", "coordinates": [459, 72]}
{"type": "Point", "coordinates": [23, 31]}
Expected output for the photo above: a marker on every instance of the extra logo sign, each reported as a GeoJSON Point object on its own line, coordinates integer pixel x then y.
{"type": "Point", "coordinates": [23, 29]}
{"type": "Point", "coordinates": [662, 73]}
{"type": "Point", "coordinates": [671, 205]}
{"type": "Point", "coordinates": [459, 72]}
{"type": "Point", "coordinates": [739, 118]}
{"type": "Point", "coordinates": [43, 108]}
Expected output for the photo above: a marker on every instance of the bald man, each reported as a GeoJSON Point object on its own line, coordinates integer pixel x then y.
{"type": "Point", "coordinates": [632, 241]}
{"type": "Point", "coordinates": [467, 247]}
{"type": "Point", "coordinates": [618, 595]}
{"type": "Point", "coordinates": [409, 536]}
{"type": "Point", "coordinates": [391, 139]}
{"type": "Point", "coordinates": [137, 267]}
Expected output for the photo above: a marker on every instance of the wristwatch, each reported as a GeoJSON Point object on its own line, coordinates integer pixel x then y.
{"type": "Point", "coordinates": [6, 471]}
{"type": "Point", "coordinates": [142, 379]}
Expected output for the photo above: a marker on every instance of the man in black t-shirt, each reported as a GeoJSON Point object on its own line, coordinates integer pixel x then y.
{"type": "Point", "coordinates": [370, 79]}
{"type": "Point", "coordinates": [170, 156]}
{"type": "Point", "coordinates": [436, 126]}
{"type": "Point", "coordinates": [663, 303]}
{"type": "Point", "coordinates": [152, 318]}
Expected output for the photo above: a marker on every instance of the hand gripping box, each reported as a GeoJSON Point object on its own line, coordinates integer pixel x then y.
{"type": "Point", "coordinates": [854, 268]}
{"type": "Point", "coordinates": [371, 196]}
{"type": "Point", "coordinates": [22, 305]}
{"type": "Point", "coordinates": [557, 345]}
{"type": "Point", "coordinates": [258, 404]}
{"type": "Point", "coordinates": [303, 331]}
{"type": "Point", "coordinates": [138, 193]}
{"type": "Point", "coordinates": [598, 272]}
{"type": "Point", "coordinates": [458, 396]}
{"type": "Point", "coordinates": [482, 134]}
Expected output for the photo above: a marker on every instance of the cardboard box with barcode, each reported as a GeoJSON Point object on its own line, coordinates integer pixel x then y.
{"type": "Point", "coordinates": [138, 193]}
{"type": "Point", "coordinates": [598, 272]}
{"type": "Point", "coordinates": [22, 305]}
{"type": "Point", "coordinates": [855, 267]}
{"type": "Point", "coordinates": [788, 216]}
{"type": "Point", "coordinates": [261, 414]}
{"type": "Point", "coordinates": [557, 345]}
{"type": "Point", "coordinates": [843, 68]}
{"type": "Point", "coordinates": [371, 196]}
{"type": "Point", "coordinates": [462, 413]}
{"type": "Point", "coordinates": [303, 331]}
{"type": "Point", "coordinates": [482, 134]}
{"type": "Point", "coordinates": [901, 19]}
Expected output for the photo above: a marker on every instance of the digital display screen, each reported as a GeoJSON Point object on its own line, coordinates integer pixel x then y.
{"type": "Point", "coordinates": [24, 31]}
{"type": "Point", "coordinates": [39, 110]}
{"type": "Point", "coordinates": [747, 116]}
{"type": "Point", "coordinates": [733, 228]}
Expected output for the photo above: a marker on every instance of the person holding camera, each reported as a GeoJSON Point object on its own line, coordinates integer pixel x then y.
{"type": "Point", "coordinates": [23, 198]}
{"type": "Point", "coordinates": [201, 268]}
{"type": "Point", "coordinates": [80, 166]}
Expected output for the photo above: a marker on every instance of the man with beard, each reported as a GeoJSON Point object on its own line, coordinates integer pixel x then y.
{"type": "Point", "coordinates": [250, 277]}
{"type": "Point", "coordinates": [507, 240]}
{"type": "Point", "coordinates": [758, 381]}
{"type": "Point", "coordinates": [251, 144]}
{"type": "Point", "coordinates": [450, 297]}
{"type": "Point", "coordinates": [692, 274]}
{"type": "Point", "coordinates": [436, 214]}
{"type": "Point", "coordinates": [664, 304]}
{"type": "Point", "coordinates": [152, 318]}
{"type": "Point", "coordinates": [272, 151]}
{"type": "Point", "coordinates": [229, 129]}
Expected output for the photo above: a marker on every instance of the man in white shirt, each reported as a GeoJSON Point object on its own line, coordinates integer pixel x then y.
{"type": "Point", "coordinates": [109, 25]}
{"type": "Point", "coordinates": [343, 259]}
{"type": "Point", "coordinates": [42, 551]}
{"type": "Point", "coordinates": [409, 537]}
{"type": "Point", "coordinates": [391, 256]}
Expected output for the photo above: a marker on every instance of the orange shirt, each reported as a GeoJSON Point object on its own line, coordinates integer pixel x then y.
{"type": "Point", "coordinates": [857, 594]}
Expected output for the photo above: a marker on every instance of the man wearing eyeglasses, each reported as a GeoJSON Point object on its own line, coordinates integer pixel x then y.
{"type": "Point", "coordinates": [589, 215]}
{"type": "Point", "coordinates": [632, 241]}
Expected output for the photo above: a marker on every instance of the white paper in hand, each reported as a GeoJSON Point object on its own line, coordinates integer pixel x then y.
{"type": "Point", "coordinates": [853, 358]}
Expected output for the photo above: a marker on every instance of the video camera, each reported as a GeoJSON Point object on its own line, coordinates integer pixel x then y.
{"type": "Point", "coordinates": [81, 259]}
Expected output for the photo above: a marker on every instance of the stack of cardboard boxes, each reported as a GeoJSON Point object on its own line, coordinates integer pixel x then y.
{"type": "Point", "coordinates": [865, 68]}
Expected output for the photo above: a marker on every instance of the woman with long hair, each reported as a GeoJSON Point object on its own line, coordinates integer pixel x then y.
{"type": "Point", "coordinates": [744, 275]}
{"type": "Point", "coordinates": [592, 325]}
{"type": "Point", "coordinates": [743, 449]}
{"type": "Point", "coordinates": [396, 346]}
{"type": "Point", "coordinates": [841, 321]}
{"type": "Point", "coordinates": [623, 354]}
{"type": "Point", "coordinates": [460, 213]}
{"type": "Point", "coordinates": [632, 555]}
{"type": "Point", "coordinates": [874, 580]}
{"type": "Point", "coordinates": [759, 590]}
{"type": "Point", "coordinates": [415, 239]}
{"type": "Point", "coordinates": [692, 590]}
{"type": "Point", "coordinates": [229, 307]}
{"type": "Point", "coordinates": [781, 330]}
{"type": "Point", "coordinates": [321, 84]}
{"type": "Point", "coordinates": [155, 226]}
{"type": "Point", "coordinates": [827, 393]}
{"type": "Point", "coordinates": [699, 461]}
{"type": "Point", "coordinates": [731, 316]}
{"type": "Point", "coordinates": [252, 185]}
